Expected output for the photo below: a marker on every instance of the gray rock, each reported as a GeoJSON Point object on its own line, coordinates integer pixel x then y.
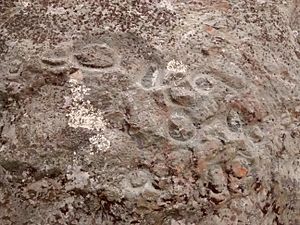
{"type": "Point", "coordinates": [164, 112]}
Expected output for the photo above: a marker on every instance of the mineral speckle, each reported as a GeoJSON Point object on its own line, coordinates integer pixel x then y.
{"type": "Point", "coordinates": [151, 112]}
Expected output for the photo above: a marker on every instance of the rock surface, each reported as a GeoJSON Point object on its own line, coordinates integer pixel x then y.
{"type": "Point", "coordinates": [163, 112]}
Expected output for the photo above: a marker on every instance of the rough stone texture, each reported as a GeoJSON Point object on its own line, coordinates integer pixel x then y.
{"type": "Point", "coordinates": [171, 112]}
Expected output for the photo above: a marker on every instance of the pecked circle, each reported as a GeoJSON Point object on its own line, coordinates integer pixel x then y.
{"type": "Point", "coordinates": [95, 56]}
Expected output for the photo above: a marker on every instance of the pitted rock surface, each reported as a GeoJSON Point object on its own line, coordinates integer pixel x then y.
{"type": "Point", "coordinates": [152, 112]}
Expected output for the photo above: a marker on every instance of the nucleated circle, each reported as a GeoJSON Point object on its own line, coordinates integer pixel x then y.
{"type": "Point", "coordinates": [204, 83]}
{"type": "Point", "coordinates": [55, 57]}
{"type": "Point", "coordinates": [234, 121]}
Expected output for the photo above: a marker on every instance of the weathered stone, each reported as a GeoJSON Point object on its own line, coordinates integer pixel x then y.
{"type": "Point", "coordinates": [164, 112]}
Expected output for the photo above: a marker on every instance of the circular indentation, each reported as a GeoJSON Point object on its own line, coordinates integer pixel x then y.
{"type": "Point", "coordinates": [204, 83]}
{"type": "Point", "coordinates": [95, 56]}
{"type": "Point", "coordinates": [183, 95]}
{"type": "Point", "coordinates": [53, 61]}
{"type": "Point", "coordinates": [150, 77]}
{"type": "Point", "coordinates": [55, 57]}
{"type": "Point", "coordinates": [234, 121]}
{"type": "Point", "coordinates": [217, 179]}
{"type": "Point", "coordinates": [180, 128]}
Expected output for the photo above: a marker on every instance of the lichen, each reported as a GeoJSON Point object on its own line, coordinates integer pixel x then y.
{"type": "Point", "coordinates": [83, 114]}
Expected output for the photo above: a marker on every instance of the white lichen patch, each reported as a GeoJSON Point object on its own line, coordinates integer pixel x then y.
{"type": "Point", "coordinates": [100, 142]}
{"type": "Point", "coordinates": [84, 115]}
{"type": "Point", "coordinates": [176, 66]}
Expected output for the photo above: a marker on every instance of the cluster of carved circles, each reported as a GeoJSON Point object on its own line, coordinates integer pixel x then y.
{"type": "Point", "coordinates": [91, 57]}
